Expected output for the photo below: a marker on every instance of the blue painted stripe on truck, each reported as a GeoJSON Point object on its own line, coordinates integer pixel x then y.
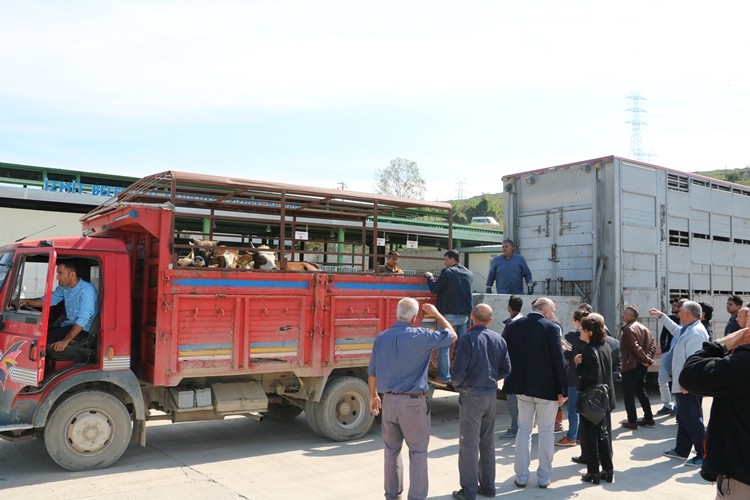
{"type": "Point", "coordinates": [201, 347]}
{"type": "Point", "coordinates": [240, 283]}
{"type": "Point", "coordinates": [272, 344]}
{"type": "Point", "coordinates": [381, 286]}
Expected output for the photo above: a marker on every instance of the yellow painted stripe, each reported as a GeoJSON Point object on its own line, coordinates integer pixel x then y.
{"type": "Point", "coordinates": [272, 349]}
{"type": "Point", "coordinates": [206, 352]}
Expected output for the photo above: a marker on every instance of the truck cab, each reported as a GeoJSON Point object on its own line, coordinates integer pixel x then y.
{"type": "Point", "coordinates": [40, 391]}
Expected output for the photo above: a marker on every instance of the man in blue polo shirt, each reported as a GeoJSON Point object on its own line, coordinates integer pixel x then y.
{"type": "Point", "coordinates": [508, 271]}
{"type": "Point", "coordinates": [398, 371]}
{"type": "Point", "coordinates": [80, 306]}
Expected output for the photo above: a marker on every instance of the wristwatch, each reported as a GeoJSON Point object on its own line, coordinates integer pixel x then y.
{"type": "Point", "coordinates": [721, 343]}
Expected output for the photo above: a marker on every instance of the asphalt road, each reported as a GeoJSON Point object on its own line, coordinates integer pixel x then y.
{"type": "Point", "coordinates": [243, 458]}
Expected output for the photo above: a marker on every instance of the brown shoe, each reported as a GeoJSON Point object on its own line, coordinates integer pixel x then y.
{"type": "Point", "coordinates": [646, 422]}
{"type": "Point", "coordinates": [629, 425]}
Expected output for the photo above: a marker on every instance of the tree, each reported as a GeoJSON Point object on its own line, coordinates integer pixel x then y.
{"type": "Point", "coordinates": [400, 178]}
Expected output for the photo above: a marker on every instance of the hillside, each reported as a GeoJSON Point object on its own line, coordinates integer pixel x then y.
{"type": "Point", "coordinates": [730, 175]}
{"type": "Point", "coordinates": [484, 204]}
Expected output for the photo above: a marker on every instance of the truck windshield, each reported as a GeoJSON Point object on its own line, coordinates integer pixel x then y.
{"type": "Point", "coordinates": [6, 259]}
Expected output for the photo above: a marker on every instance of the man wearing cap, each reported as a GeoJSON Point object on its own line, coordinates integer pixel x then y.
{"type": "Point", "coordinates": [391, 264]}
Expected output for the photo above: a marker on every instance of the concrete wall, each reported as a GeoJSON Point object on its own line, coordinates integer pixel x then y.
{"type": "Point", "coordinates": [16, 223]}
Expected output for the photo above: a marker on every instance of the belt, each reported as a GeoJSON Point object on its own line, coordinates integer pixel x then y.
{"type": "Point", "coordinates": [413, 395]}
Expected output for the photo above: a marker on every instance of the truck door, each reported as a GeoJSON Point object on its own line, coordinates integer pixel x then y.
{"type": "Point", "coordinates": [23, 335]}
{"type": "Point", "coordinates": [558, 247]}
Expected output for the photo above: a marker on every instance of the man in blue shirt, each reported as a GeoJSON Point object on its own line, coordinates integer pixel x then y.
{"type": "Point", "coordinates": [481, 362]}
{"type": "Point", "coordinates": [398, 371]}
{"type": "Point", "coordinates": [508, 271]}
{"type": "Point", "coordinates": [80, 298]}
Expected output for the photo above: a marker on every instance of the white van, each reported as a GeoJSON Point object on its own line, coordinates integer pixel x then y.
{"type": "Point", "coordinates": [483, 220]}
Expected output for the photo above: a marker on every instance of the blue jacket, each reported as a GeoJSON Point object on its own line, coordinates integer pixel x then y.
{"type": "Point", "coordinates": [481, 361]}
{"type": "Point", "coordinates": [536, 354]}
{"type": "Point", "coordinates": [509, 274]}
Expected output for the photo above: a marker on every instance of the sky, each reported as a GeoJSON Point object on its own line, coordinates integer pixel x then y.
{"type": "Point", "coordinates": [329, 92]}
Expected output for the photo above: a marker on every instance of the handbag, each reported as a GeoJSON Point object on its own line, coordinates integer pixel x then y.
{"type": "Point", "coordinates": [593, 402]}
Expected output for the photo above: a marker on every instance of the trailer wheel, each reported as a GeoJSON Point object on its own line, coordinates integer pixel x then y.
{"type": "Point", "coordinates": [310, 406]}
{"type": "Point", "coordinates": [284, 411]}
{"type": "Point", "coordinates": [343, 412]}
{"type": "Point", "coordinates": [89, 430]}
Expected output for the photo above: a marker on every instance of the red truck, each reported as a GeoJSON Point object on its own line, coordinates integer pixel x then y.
{"type": "Point", "coordinates": [182, 338]}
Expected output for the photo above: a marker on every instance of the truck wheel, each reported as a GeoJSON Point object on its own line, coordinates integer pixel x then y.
{"type": "Point", "coordinates": [310, 406]}
{"type": "Point", "coordinates": [283, 411]}
{"type": "Point", "coordinates": [89, 430]}
{"type": "Point", "coordinates": [343, 412]}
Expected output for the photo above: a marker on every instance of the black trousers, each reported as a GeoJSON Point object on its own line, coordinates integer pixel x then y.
{"type": "Point", "coordinates": [57, 333]}
{"type": "Point", "coordinates": [596, 443]}
{"type": "Point", "coordinates": [633, 386]}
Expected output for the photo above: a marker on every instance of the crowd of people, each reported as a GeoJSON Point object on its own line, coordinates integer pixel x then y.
{"type": "Point", "coordinates": [543, 370]}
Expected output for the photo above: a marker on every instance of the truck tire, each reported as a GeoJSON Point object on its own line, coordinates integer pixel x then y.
{"type": "Point", "coordinates": [88, 430]}
{"type": "Point", "coordinates": [310, 406]}
{"type": "Point", "coordinates": [343, 412]}
{"type": "Point", "coordinates": [283, 412]}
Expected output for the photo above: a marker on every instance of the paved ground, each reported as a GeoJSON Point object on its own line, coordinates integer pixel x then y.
{"type": "Point", "coordinates": [242, 458]}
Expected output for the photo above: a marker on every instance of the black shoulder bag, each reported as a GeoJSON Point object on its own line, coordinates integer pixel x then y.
{"type": "Point", "coordinates": [593, 402]}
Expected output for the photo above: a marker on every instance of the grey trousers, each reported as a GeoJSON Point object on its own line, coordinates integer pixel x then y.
{"type": "Point", "coordinates": [405, 419]}
{"type": "Point", "coordinates": [476, 444]}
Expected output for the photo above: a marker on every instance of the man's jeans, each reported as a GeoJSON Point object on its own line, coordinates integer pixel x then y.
{"type": "Point", "coordinates": [691, 433]}
{"type": "Point", "coordinates": [573, 419]}
{"type": "Point", "coordinates": [665, 368]}
{"type": "Point", "coordinates": [512, 400]}
{"type": "Point", "coordinates": [459, 322]}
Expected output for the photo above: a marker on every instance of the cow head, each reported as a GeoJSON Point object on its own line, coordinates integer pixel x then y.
{"type": "Point", "coordinates": [264, 258]}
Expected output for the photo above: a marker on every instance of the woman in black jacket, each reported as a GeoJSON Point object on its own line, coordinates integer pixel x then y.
{"type": "Point", "coordinates": [594, 366]}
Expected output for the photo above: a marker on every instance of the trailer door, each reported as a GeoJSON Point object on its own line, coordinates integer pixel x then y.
{"type": "Point", "coordinates": [558, 247]}
{"type": "Point", "coordinates": [643, 237]}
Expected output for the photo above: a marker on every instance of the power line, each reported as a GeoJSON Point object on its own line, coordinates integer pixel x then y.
{"type": "Point", "coordinates": [460, 189]}
{"type": "Point", "coordinates": [636, 145]}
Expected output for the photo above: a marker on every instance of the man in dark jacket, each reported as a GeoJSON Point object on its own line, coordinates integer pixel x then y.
{"type": "Point", "coordinates": [722, 370]}
{"type": "Point", "coordinates": [515, 303]}
{"type": "Point", "coordinates": [481, 362]}
{"type": "Point", "coordinates": [453, 290]}
{"type": "Point", "coordinates": [538, 379]}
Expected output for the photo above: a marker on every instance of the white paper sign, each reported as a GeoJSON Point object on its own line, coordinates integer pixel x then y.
{"type": "Point", "coordinates": [412, 244]}
{"type": "Point", "coordinates": [381, 242]}
{"type": "Point", "coordinates": [300, 235]}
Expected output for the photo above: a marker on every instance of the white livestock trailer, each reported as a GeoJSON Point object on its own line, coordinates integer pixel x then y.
{"type": "Point", "coordinates": [614, 231]}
